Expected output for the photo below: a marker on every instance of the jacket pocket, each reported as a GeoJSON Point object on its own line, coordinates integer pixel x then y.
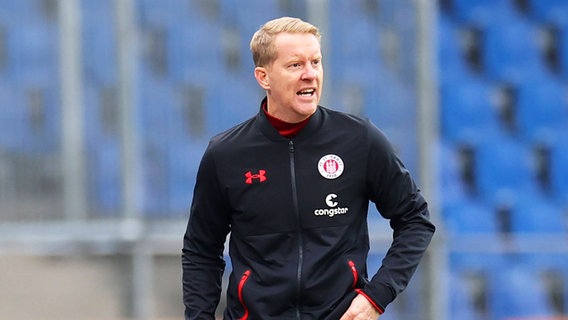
{"type": "Point", "coordinates": [242, 283]}
{"type": "Point", "coordinates": [354, 273]}
{"type": "Point", "coordinates": [358, 281]}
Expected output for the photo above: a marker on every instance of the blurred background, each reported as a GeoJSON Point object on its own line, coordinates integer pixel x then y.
{"type": "Point", "coordinates": [106, 107]}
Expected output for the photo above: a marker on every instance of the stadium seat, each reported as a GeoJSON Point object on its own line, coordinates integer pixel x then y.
{"type": "Point", "coordinates": [481, 12]}
{"type": "Point", "coordinates": [194, 52]}
{"type": "Point", "coordinates": [99, 42]}
{"type": "Point", "coordinates": [32, 52]}
{"type": "Point", "coordinates": [549, 11]}
{"type": "Point", "coordinates": [351, 24]}
{"type": "Point", "coordinates": [471, 217]}
{"type": "Point", "coordinates": [511, 50]}
{"type": "Point", "coordinates": [534, 214]}
{"type": "Point", "coordinates": [35, 118]}
{"type": "Point", "coordinates": [467, 112]}
{"type": "Point", "coordinates": [542, 109]}
{"type": "Point", "coordinates": [9, 124]}
{"type": "Point", "coordinates": [26, 11]}
{"type": "Point", "coordinates": [154, 188]}
{"type": "Point", "coordinates": [462, 300]}
{"type": "Point", "coordinates": [390, 103]}
{"type": "Point", "coordinates": [504, 168]}
{"type": "Point", "coordinates": [101, 116]}
{"type": "Point", "coordinates": [452, 179]}
{"type": "Point", "coordinates": [474, 271]}
{"type": "Point", "coordinates": [236, 101]}
{"type": "Point", "coordinates": [169, 176]}
{"type": "Point", "coordinates": [559, 170]}
{"type": "Point", "coordinates": [161, 13]}
{"type": "Point", "coordinates": [239, 14]}
{"type": "Point", "coordinates": [103, 152]}
{"type": "Point", "coordinates": [515, 293]}
{"type": "Point", "coordinates": [563, 43]}
{"type": "Point", "coordinates": [104, 174]}
{"type": "Point", "coordinates": [451, 59]}
{"type": "Point", "coordinates": [183, 158]}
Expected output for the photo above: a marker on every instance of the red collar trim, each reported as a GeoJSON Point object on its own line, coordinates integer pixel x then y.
{"type": "Point", "coordinates": [286, 129]}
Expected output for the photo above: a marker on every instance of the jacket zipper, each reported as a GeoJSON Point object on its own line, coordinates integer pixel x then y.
{"type": "Point", "coordinates": [244, 279]}
{"type": "Point", "coordinates": [355, 273]}
{"type": "Point", "coordinates": [300, 239]}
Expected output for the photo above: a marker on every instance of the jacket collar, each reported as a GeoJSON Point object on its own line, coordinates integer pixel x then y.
{"type": "Point", "coordinates": [269, 131]}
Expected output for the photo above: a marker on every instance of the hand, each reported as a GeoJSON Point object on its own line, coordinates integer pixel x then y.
{"type": "Point", "coordinates": [361, 309]}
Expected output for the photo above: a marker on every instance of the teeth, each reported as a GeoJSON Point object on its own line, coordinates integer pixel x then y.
{"type": "Point", "coordinates": [308, 92]}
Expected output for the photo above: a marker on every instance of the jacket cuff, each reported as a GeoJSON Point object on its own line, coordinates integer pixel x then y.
{"type": "Point", "coordinates": [361, 292]}
{"type": "Point", "coordinates": [380, 294]}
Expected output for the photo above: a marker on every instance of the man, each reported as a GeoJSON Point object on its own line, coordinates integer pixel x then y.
{"type": "Point", "coordinates": [292, 186]}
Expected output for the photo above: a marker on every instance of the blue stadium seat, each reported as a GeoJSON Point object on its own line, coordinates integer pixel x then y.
{"type": "Point", "coordinates": [451, 60]}
{"type": "Point", "coordinates": [542, 108]}
{"type": "Point", "coordinates": [461, 299]}
{"type": "Point", "coordinates": [99, 42]}
{"type": "Point", "coordinates": [467, 112]}
{"type": "Point", "coordinates": [504, 168]}
{"type": "Point", "coordinates": [183, 158]}
{"type": "Point", "coordinates": [154, 189]}
{"type": "Point", "coordinates": [559, 170]}
{"type": "Point", "coordinates": [515, 293]}
{"type": "Point", "coordinates": [32, 52]}
{"type": "Point", "coordinates": [351, 25]}
{"type": "Point", "coordinates": [471, 217]}
{"type": "Point", "coordinates": [239, 14]}
{"type": "Point", "coordinates": [194, 52]}
{"type": "Point", "coordinates": [549, 11]}
{"type": "Point", "coordinates": [169, 176]}
{"type": "Point", "coordinates": [481, 12]}
{"type": "Point", "coordinates": [536, 214]}
{"type": "Point", "coordinates": [35, 118]}
{"type": "Point", "coordinates": [390, 103]}
{"type": "Point", "coordinates": [31, 41]}
{"type": "Point", "coordinates": [237, 100]}
{"type": "Point", "coordinates": [511, 50]}
{"type": "Point", "coordinates": [104, 173]}
{"type": "Point", "coordinates": [9, 117]}
{"type": "Point", "coordinates": [452, 181]}
{"type": "Point", "coordinates": [25, 11]}
{"type": "Point", "coordinates": [159, 104]}
{"type": "Point", "coordinates": [161, 13]}
{"type": "Point", "coordinates": [240, 23]}
{"type": "Point", "coordinates": [103, 154]}
{"type": "Point", "coordinates": [563, 44]}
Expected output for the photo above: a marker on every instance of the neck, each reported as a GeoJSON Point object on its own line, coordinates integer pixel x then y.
{"type": "Point", "coordinates": [286, 129]}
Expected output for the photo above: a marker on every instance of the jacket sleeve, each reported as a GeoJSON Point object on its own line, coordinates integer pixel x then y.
{"type": "Point", "coordinates": [203, 244]}
{"type": "Point", "coordinates": [398, 199]}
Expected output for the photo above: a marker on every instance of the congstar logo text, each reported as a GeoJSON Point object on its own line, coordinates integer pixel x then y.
{"type": "Point", "coordinates": [333, 210]}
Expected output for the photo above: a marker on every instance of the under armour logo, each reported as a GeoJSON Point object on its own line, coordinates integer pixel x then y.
{"type": "Point", "coordinates": [261, 176]}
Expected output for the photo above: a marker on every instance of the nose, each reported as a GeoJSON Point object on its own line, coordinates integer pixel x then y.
{"type": "Point", "coordinates": [309, 73]}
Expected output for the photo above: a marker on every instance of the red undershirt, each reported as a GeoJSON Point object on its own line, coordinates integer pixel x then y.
{"type": "Point", "coordinates": [286, 129]}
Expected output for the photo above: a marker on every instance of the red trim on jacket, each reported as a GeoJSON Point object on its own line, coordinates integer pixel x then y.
{"type": "Point", "coordinates": [244, 279]}
{"type": "Point", "coordinates": [359, 291]}
{"type": "Point", "coordinates": [286, 129]}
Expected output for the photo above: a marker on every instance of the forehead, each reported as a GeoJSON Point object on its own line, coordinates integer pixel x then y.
{"type": "Point", "coordinates": [296, 44]}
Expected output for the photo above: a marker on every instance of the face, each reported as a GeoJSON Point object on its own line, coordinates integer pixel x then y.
{"type": "Point", "coordinates": [293, 81]}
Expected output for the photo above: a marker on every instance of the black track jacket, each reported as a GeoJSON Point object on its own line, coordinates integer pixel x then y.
{"type": "Point", "coordinates": [296, 211]}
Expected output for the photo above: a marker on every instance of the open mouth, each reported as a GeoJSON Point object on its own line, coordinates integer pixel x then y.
{"type": "Point", "coordinates": [306, 92]}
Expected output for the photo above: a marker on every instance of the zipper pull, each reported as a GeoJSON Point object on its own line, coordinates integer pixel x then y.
{"type": "Point", "coordinates": [291, 146]}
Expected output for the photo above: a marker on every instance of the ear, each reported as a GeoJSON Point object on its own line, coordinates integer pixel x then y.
{"type": "Point", "coordinates": [262, 77]}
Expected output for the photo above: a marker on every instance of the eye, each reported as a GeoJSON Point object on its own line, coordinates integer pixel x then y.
{"type": "Point", "coordinates": [295, 65]}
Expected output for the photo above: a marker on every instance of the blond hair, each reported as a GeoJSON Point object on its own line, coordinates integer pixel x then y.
{"type": "Point", "coordinates": [262, 43]}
